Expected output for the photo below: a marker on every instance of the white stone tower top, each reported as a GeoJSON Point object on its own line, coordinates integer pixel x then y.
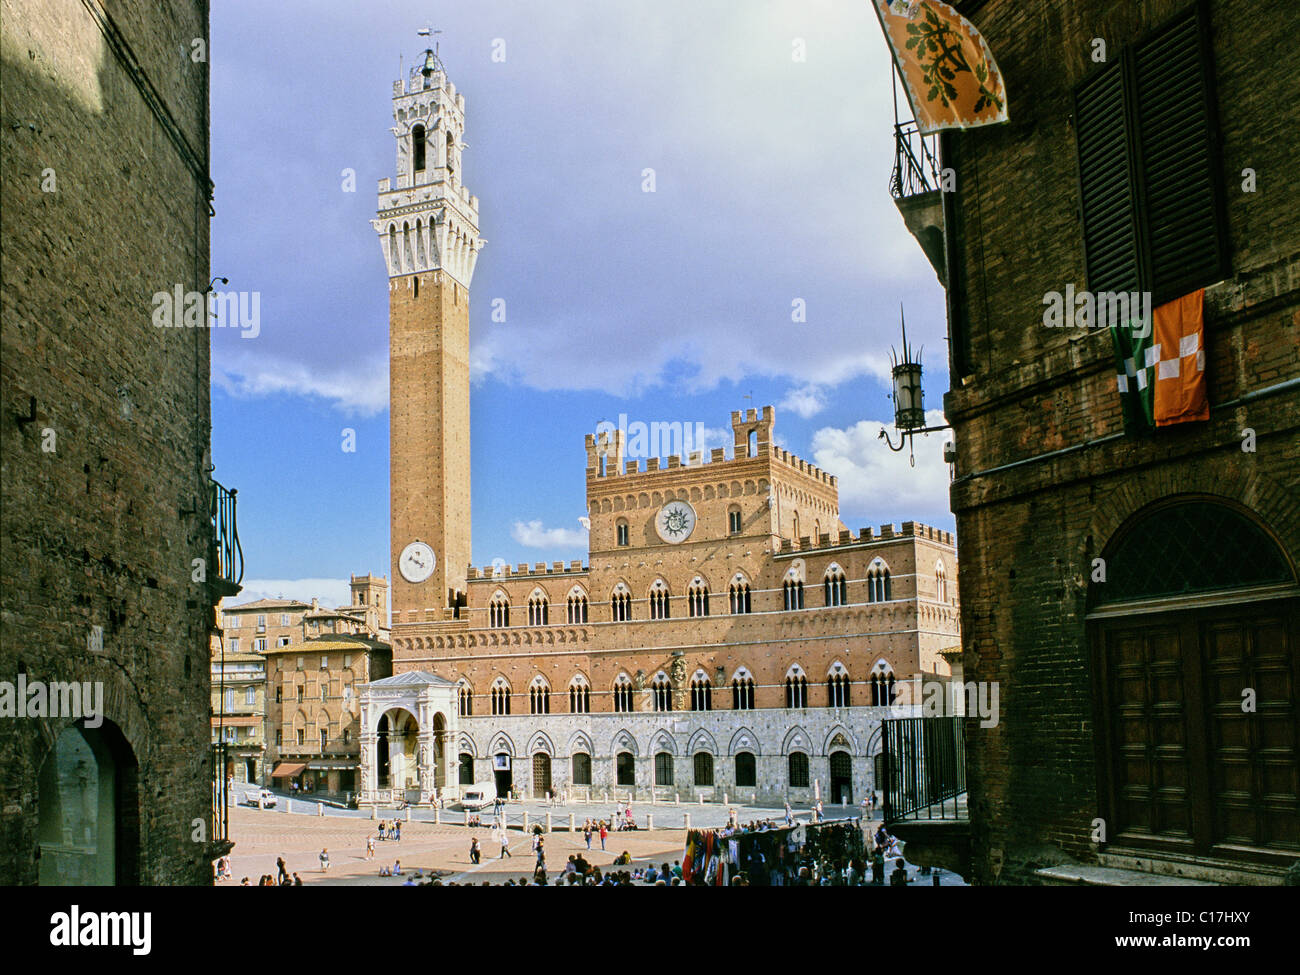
{"type": "Point", "coordinates": [429, 221]}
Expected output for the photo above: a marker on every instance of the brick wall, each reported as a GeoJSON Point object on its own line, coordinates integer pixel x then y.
{"type": "Point", "coordinates": [101, 531]}
{"type": "Point", "coordinates": [1029, 534]}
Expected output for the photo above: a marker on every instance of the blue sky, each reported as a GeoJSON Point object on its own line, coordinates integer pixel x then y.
{"type": "Point", "coordinates": [771, 181]}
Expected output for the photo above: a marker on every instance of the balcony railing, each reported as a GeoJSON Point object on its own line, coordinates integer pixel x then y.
{"type": "Point", "coordinates": [228, 557]}
{"type": "Point", "coordinates": [916, 162]}
{"type": "Point", "coordinates": [924, 766]}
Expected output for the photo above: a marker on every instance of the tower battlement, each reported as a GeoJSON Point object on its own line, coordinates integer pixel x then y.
{"type": "Point", "coordinates": [752, 440]}
{"type": "Point", "coordinates": [908, 529]}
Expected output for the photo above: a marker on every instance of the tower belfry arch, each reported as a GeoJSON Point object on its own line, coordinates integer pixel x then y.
{"type": "Point", "coordinates": [427, 223]}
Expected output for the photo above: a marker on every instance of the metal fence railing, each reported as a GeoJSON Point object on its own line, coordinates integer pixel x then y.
{"type": "Point", "coordinates": [924, 767]}
{"type": "Point", "coordinates": [229, 555]}
{"type": "Point", "coordinates": [916, 162]}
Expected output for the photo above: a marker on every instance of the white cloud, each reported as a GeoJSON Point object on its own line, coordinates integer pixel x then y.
{"type": "Point", "coordinates": [879, 483]}
{"type": "Point", "coordinates": [354, 387]}
{"type": "Point", "coordinates": [804, 401]}
{"type": "Point", "coordinates": [534, 535]}
{"type": "Point", "coordinates": [330, 592]}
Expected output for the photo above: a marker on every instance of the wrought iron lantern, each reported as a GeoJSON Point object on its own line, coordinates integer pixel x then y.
{"type": "Point", "coordinates": [908, 396]}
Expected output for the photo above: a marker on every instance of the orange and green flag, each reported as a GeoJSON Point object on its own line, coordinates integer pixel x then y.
{"type": "Point", "coordinates": [1160, 365]}
{"type": "Point", "coordinates": [951, 78]}
{"type": "Point", "coordinates": [1179, 342]}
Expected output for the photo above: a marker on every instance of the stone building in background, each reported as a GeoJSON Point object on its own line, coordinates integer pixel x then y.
{"type": "Point", "coordinates": [115, 544]}
{"type": "Point", "coordinates": [313, 745]}
{"type": "Point", "coordinates": [239, 715]}
{"type": "Point", "coordinates": [1133, 593]}
{"type": "Point", "coordinates": [313, 710]}
{"type": "Point", "coordinates": [728, 635]}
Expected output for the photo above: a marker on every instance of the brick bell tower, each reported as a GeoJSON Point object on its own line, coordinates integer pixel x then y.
{"type": "Point", "coordinates": [428, 230]}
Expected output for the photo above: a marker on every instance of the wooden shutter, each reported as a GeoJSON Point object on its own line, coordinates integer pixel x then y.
{"type": "Point", "coordinates": [1110, 236]}
{"type": "Point", "coordinates": [1150, 189]}
{"type": "Point", "coordinates": [1176, 141]}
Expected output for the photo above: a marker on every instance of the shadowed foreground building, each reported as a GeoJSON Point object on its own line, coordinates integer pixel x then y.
{"type": "Point", "coordinates": [1133, 593]}
{"type": "Point", "coordinates": [115, 545]}
{"type": "Point", "coordinates": [727, 634]}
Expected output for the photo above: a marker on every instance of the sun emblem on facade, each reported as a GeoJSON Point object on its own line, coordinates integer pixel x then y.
{"type": "Point", "coordinates": [675, 522]}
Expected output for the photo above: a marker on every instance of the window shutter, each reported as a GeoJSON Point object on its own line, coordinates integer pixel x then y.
{"type": "Point", "coordinates": [1105, 184]}
{"type": "Point", "coordinates": [1176, 140]}
{"type": "Point", "coordinates": [1150, 189]}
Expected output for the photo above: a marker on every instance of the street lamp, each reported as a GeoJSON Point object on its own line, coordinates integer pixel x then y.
{"type": "Point", "coordinates": [908, 396]}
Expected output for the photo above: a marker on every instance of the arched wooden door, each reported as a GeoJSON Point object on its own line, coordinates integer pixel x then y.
{"type": "Point", "coordinates": [541, 775]}
{"type": "Point", "coordinates": [1194, 636]}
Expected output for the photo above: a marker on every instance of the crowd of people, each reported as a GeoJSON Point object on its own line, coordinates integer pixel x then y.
{"type": "Point", "coordinates": [760, 852]}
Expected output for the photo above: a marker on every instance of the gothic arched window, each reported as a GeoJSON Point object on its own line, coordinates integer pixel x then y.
{"type": "Point", "coordinates": [623, 693]}
{"type": "Point", "coordinates": [500, 696]}
{"type": "Point", "coordinates": [836, 586]}
{"type": "Point", "coordinates": [579, 695]}
{"type": "Point", "coordinates": [796, 688]}
{"type": "Point", "coordinates": [739, 598]}
{"type": "Point", "coordinates": [499, 610]}
{"type": "Point", "coordinates": [662, 692]}
{"type": "Point", "coordinates": [742, 691]}
{"type": "Point", "coordinates": [539, 696]}
{"type": "Point", "coordinates": [701, 692]}
{"type": "Point", "coordinates": [417, 149]}
{"type": "Point", "coordinates": [793, 589]}
{"type": "Point", "coordinates": [620, 604]}
{"type": "Point", "coordinates": [539, 609]}
{"type": "Point", "coordinates": [837, 685]}
{"type": "Point", "coordinates": [697, 598]}
{"type": "Point", "coordinates": [659, 601]}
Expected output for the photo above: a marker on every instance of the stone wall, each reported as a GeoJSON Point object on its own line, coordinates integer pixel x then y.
{"type": "Point", "coordinates": [770, 734]}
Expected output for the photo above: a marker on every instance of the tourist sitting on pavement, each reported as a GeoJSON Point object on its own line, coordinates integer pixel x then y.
{"type": "Point", "coordinates": [899, 877]}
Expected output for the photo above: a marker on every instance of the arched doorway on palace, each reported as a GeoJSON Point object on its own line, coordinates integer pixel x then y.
{"type": "Point", "coordinates": [88, 809]}
{"type": "Point", "coordinates": [841, 778]}
{"type": "Point", "coordinates": [396, 750]}
{"type": "Point", "coordinates": [501, 773]}
{"type": "Point", "coordinates": [541, 775]}
{"type": "Point", "coordinates": [1194, 632]}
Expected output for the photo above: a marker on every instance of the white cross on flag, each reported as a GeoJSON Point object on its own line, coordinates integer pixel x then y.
{"type": "Point", "coordinates": [1178, 353]}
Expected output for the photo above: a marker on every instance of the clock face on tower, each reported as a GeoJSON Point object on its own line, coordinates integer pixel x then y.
{"type": "Point", "coordinates": [675, 522]}
{"type": "Point", "coordinates": [417, 562]}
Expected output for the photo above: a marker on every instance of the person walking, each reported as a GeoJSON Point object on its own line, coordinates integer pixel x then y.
{"type": "Point", "coordinates": [504, 839]}
{"type": "Point", "coordinates": [586, 833]}
{"type": "Point", "coordinates": [474, 852]}
{"type": "Point", "coordinates": [604, 832]}
{"type": "Point", "coordinates": [541, 855]}
{"type": "Point", "coordinates": [370, 847]}
{"type": "Point", "coordinates": [324, 860]}
{"type": "Point", "coordinates": [283, 874]}
{"type": "Point", "coordinates": [789, 814]}
{"type": "Point", "coordinates": [397, 830]}
{"type": "Point", "coordinates": [383, 829]}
